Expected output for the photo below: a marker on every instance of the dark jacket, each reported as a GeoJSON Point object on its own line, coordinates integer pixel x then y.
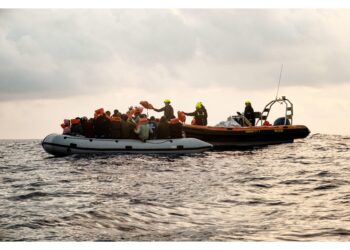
{"type": "Point", "coordinates": [102, 126]}
{"type": "Point", "coordinates": [127, 130]}
{"type": "Point", "coordinates": [176, 130]}
{"type": "Point", "coordinates": [200, 115]}
{"type": "Point", "coordinates": [249, 114]}
{"type": "Point", "coordinates": [115, 129]}
{"type": "Point", "coordinates": [163, 130]}
{"type": "Point", "coordinates": [88, 128]}
{"type": "Point", "coordinates": [168, 112]}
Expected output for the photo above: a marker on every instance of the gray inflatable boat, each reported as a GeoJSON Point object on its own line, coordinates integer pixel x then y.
{"type": "Point", "coordinates": [61, 145]}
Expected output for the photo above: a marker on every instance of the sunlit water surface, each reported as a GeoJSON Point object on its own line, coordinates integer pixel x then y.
{"type": "Point", "coordinates": [298, 192]}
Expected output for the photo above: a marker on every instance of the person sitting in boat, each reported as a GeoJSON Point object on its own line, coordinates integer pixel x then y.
{"type": "Point", "coordinates": [66, 126]}
{"type": "Point", "coordinates": [115, 126]}
{"type": "Point", "coordinates": [249, 113]}
{"type": "Point", "coordinates": [200, 114]}
{"type": "Point", "coordinates": [175, 128]}
{"type": "Point", "coordinates": [137, 113]}
{"type": "Point", "coordinates": [152, 127]}
{"type": "Point", "coordinates": [76, 128]}
{"type": "Point", "coordinates": [87, 126]}
{"type": "Point", "coordinates": [116, 113]}
{"type": "Point", "coordinates": [89, 129]}
{"type": "Point", "coordinates": [142, 128]}
{"type": "Point", "coordinates": [168, 110]}
{"type": "Point", "coordinates": [102, 126]}
{"type": "Point", "coordinates": [127, 127]}
{"type": "Point", "coordinates": [163, 129]}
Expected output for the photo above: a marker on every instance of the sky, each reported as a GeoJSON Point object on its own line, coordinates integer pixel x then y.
{"type": "Point", "coordinates": [63, 63]}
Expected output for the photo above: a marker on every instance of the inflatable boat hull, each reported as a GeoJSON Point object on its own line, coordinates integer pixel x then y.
{"type": "Point", "coordinates": [246, 137]}
{"type": "Point", "coordinates": [61, 145]}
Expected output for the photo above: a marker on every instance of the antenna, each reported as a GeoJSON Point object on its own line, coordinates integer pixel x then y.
{"type": "Point", "coordinates": [279, 81]}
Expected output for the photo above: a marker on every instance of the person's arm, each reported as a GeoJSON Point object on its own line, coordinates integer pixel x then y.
{"type": "Point", "coordinates": [190, 114]}
{"type": "Point", "coordinates": [159, 110]}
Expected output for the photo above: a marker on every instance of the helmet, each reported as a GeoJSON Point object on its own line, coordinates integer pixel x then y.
{"type": "Point", "coordinates": [167, 101]}
{"type": "Point", "coordinates": [199, 105]}
{"type": "Point", "coordinates": [247, 102]}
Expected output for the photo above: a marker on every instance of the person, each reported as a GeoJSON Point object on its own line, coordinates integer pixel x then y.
{"type": "Point", "coordinates": [168, 110]}
{"type": "Point", "coordinates": [200, 114]}
{"type": "Point", "coordinates": [249, 113]}
{"type": "Point", "coordinates": [163, 129]}
{"type": "Point", "coordinates": [126, 127]}
{"type": "Point", "coordinates": [116, 113]}
{"type": "Point", "coordinates": [175, 128]}
{"type": "Point", "coordinates": [142, 128]}
{"type": "Point", "coordinates": [102, 126]}
{"type": "Point", "coordinates": [66, 127]}
{"type": "Point", "coordinates": [115, 126]}
{"type": "Point", "coordinates": [76, 128]}
{"type": "Point", "coordinates": [87, 125]}
{"type": "Point", "coordinates": [152, 127]}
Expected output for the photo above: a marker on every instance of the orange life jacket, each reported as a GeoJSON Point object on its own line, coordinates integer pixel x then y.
{"type": "Point", "coordinates": [74, 121]}
{"type": "Point", "coordinates": [181, 115]}
{"type": "Point", "coordinates": [99, 112]}
{"type": "Point", "coordinates": [193, 122]}
{"type": "Point", "coordinates": [146, 105]}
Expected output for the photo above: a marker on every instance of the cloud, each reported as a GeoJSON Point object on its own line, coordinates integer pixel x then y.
{"type": "Point", "coordinates": [59, 53]}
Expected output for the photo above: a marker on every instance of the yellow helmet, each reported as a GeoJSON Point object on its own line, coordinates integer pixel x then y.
{"type": "Point", "coordinates": [199, 105]}
{"type": "Point", "coordinates": [247, 102]}
{"type": "Point", "coordinates": [167, 101]}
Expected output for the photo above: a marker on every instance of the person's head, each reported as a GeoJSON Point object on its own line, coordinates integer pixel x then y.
{"type": "Point", "coordinates": [247, 103]}
{"type": "Point", "coordinates": [116, 112]}
{"type": "Point", "coordinates": [124, 117]}
{"type": "Point", "coordinates": [199, 105]}
{"type": "Point", "coordinates": [167, 101]}
{"type": "Point", "coordinates": [143, 116]}
{"type": "Point", "coordinates": [152, 118]}
{"type": "Point", "coordinates": [108, 113]}
{"type": "Point", "coordinates": [163, 119]}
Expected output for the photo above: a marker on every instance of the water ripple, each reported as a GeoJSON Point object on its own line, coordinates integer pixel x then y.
{"type": "Point", "coordinates": [289, 192]}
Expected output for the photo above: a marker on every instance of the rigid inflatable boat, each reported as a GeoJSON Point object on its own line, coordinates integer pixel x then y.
{"type": "Point", "coordinates": [251, 136]}
{"type": "Point", "coordinates": [61, 145]}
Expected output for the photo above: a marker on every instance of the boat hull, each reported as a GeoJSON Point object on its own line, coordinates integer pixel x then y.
{"type": "Point", "coordinates": [62, 145]}
{"type": "Point", "coordinates": [245, 137]}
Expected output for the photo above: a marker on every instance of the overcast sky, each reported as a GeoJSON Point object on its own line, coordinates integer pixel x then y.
{"type": "Point", "coordinates": [65, 63]}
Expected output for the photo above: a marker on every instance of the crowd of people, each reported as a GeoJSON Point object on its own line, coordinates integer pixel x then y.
{"type": "Point", "coordinates": [133, 124]}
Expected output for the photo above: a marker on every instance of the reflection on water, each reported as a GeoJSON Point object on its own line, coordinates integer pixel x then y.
{"type": "Point", "coordinates": [297, 192]}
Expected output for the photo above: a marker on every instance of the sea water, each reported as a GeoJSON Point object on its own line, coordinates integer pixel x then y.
{"type": "Point", "coordinates": [290, 192]}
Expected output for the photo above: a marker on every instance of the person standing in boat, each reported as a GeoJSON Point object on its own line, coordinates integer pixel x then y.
{"type": "Point", "coordinates": [249, 113]}
{"type": "Point", "coordinates": [200, 114]}
{"type": "Point", "coordinates": [168, 110]}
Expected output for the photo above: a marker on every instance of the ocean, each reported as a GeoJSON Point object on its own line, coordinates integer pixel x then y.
{"type": "Point", "coordinates": [290, 192]}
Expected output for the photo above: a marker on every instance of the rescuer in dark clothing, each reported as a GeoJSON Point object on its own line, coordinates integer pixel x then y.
{"type": "Point", "coordinates": [249, 113]}
{"type": "Point", "coordinates": [168, 110]}
{"type": "Point", "coordinates": [163, 129]}
{"type": "Point", "coordinates": [200, 114]}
